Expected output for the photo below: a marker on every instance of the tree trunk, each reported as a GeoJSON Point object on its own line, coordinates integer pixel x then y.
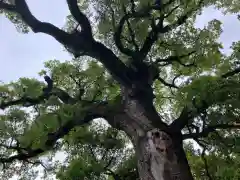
{"type": "Point", "coordinates": [159, 151]}
{"type": "Point", "coordinates": [160, 158]}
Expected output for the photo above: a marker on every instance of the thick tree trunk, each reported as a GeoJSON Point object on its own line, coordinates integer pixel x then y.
{"type": "Point", "coordinates": [160, 155]}
{"type": "Point", "coordinates": [160, 158]}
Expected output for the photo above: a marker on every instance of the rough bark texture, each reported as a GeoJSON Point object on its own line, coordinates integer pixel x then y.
{"type": "Point", "coordinates": [158, 160]}
{"type": "Point", "coordinates": [160, 155]}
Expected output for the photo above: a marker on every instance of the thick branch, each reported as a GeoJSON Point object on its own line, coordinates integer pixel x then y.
{"type": "Point", "coordinates": [75, 42]}
{"type": "Point", "coordinates": [92, 112]}
{"type": "Point", "coordinates": [120, 72]}
{"type": "Point", "coordinates": [117, 34]}
{"type": "Point", "coordinates": [47, 92]}
{"type": "Point", "coordinates": [206, 131]}
{"type": "Point", "coordinates": [22, 9]}
{"type": "Point", "coordinates": [79, 17]}
{"type": "Point", "coordinates": [7, 7]}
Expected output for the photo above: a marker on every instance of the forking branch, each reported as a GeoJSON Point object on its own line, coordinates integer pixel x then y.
{"type": "Point", "coordinates": [77, 42]}
{"type": "Point", "coordinates": [210, 129]}
{"type": "Point", "coordinates": [188, 114]}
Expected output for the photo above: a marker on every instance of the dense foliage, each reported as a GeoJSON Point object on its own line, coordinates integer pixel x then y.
{"type": "Point", "coordinates": [36, 124]}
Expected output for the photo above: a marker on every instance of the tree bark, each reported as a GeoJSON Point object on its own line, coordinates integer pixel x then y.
{"type": "Point", "coordinates": [161, 158]}
{"type": "Point", "coordinates": [159, 149]}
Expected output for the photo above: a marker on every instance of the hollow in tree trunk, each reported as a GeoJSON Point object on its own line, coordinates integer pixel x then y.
{"type": "Point", "coordinates": [159, 149]}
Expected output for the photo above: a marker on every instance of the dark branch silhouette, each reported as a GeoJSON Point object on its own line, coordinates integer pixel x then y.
{"type": "Point", "coordinates": [210, 129]}
{"type": "Point", "coordinates": [48, 91]}
{"type": "Point", "coordinates": [182, 19]}
{"type": "Point", "coordinates": [231, 73]}
{"type": "Point", "coordinates": [77, 120]}
{"type": "Point", "coordinates": [188, 114]}
{"type": "Point", "coordinates": [169, 60]}
{"type": "Point", "coordinates": [79, 43]}
{"type": "Point", "coordinates": [80, 17]}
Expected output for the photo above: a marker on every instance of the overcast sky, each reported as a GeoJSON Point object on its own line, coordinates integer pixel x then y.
{"type": "Point", "coordinates": [22, 55]}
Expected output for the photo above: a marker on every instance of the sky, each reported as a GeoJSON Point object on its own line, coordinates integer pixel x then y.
{"type": "Point", "coordinates": [22, 55]}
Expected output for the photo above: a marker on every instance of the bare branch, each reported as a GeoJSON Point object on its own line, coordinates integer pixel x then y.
{"type": "Point", "coordinates": [76, 42]}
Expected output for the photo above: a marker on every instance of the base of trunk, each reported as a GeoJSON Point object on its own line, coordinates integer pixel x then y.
{"type": "Point", "coordinates": [160, 159]}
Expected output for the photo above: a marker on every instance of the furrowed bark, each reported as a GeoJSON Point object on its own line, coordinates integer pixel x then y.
{"type": "Point", "coordinates": [158, 148]}
{"type": "Point", "coordinates": [161, 157]}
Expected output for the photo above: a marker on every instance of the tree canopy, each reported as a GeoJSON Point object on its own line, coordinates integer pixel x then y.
{"type": "Point", "coordinates": [195, 86]}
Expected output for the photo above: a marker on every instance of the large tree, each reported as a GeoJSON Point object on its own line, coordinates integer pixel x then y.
{"type": "Point", "coordinates": [140, 65]}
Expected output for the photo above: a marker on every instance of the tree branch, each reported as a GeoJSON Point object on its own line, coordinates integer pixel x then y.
{"type": "Point", "coordinates": [189, 113]}
{"type": "Point", "coordinates": [76, 42]}
{"type": "Point", "coordinates": [171, 85]}
{"type": "Point", "coordinates": [37, 26]}
{"type": "Point", "coordinates": [181, 20]}
{"type": "Point", "coordinates": [80, 17]}
{"type": "Point", "coordinates": [156, 29]}
{"type": "Point", "coordinates": [117, 34]}
{"type": "Point", "coordinates": [204, 159]}
{"type": "Point", "coordinates": [152, 36]}
{"type": "Point", "coordinates": [47, 92]}
{"type": "Point", "coordinates": [231, 73]}
{"type": "Point", "coordinates": [171, 59]}
{"type": "Point", "coordinates": [100, 110]}
{"type": "Point", "coordinates": [7, 7]}
{"type": "Point", "coordinates": [206, 131]}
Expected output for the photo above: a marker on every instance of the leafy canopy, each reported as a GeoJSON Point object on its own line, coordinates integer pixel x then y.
{"type": "Point", "coordinates": [189, 57]}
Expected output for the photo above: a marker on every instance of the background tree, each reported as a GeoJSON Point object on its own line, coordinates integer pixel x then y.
{"type": "Point", "coordinates": [162, 81]}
